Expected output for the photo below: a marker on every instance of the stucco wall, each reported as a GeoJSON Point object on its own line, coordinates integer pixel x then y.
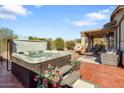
{"type": "Point", "coordinates": [122, 46]}
{"type": "Point", "coordinates": [122, 35]}
{"type": "Point", "coordinates": [118, 38]}
{"type": "Point", "coordinates": [115, 39]}
{"type": "Point", "coordinates": [118, 17]}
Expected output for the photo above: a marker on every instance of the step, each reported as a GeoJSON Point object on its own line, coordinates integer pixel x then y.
{"type": "Point", "coordinates": [65, 69]}
{"type": "Point", "coordinates": [71, 79]}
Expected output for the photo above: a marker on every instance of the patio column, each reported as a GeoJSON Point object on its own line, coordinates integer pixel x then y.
{"type": "Point", "coordinates": [89, 44]}
{"type": "Point", "coordinates": [9, 53]}
{"type": "Point", "coordinates": [107, 40]}
{"type": "Point", "coordinates": [92, 43]}
{"type": "Point", "coordinates": [108, 43]}
{"type": "Point", "coordinates": [83, 40]}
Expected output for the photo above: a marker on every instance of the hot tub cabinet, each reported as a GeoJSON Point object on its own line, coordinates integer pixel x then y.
{"type": "Point", "coordinates": [24, 67]}
{"type": "Point", "coordinates": [25, 76]}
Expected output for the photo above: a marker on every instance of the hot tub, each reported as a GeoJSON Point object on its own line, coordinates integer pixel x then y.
{"type": "Point", "coordinates": [26, 65]}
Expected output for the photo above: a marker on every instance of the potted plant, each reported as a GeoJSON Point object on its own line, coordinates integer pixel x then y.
{"type": "Point", "coordinates": [76, 65]}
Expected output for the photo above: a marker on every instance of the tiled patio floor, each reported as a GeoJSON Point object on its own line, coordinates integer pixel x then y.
{"type": "Point", "coordinates": [7, 80]}
{"type": "Point", "coordinates": [103, 75]}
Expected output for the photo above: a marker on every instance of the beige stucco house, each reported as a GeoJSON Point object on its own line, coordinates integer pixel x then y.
{"type": "Point", "coordinates": [117, 25]}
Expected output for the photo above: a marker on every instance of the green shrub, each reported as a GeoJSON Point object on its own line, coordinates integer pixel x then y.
{"type": "Point", "coordinates": [59, 44]}
{"type": "Point", "coordinates": [70, 44]}
{"type": "Point", "coordinates": [76, 65]}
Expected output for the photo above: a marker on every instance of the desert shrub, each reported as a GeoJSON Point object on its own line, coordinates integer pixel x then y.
{"type": "Point", "coordinates": [70, 45]}
{"type": "Point", "coordinates": [59, 44]}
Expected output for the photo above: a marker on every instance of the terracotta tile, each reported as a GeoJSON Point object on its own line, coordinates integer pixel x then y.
{"type": "Point", "coordinates": [103, 75]}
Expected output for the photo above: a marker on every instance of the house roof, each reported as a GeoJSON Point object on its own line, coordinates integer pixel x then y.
{"type": "Point", "coordinates": [113, 23]}
{"type": "Point", "coordinates": [118, 8]}
{"type": "Point", "coordinates": [110, 26]}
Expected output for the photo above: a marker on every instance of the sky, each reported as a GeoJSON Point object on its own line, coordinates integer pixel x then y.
{"type": "Point", "coordinates": [54, 21]}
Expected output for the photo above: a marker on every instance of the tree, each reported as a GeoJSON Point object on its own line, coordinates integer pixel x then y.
{"type": "Point", "coordinates": [5, 32]}
{"type": "Point", "coordinates": [49, 44]}
{"type": "Point", "coordinates": [70, 44]}
{"type": "Point", "coordinates": [15, 36]}
{"type": "Point", "coordinates": [59, 44]}
{"type": "Point", "coordinates": [30, 38]}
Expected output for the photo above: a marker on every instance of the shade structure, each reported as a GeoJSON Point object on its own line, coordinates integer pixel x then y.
{"type": "Point", "coordinates": [97, 33]}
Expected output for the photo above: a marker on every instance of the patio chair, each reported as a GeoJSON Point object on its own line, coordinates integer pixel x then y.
{"type": "Point", "coordinates": [70, 79]}
{"type": "Point", "coordinates": [110, 59]}
{"type": "Point", "coordinates": [65, 69]}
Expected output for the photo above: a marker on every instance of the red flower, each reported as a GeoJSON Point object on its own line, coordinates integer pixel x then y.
{"type": "Point", "coordinates": [60, 73]}
{"type": "Point", "coordinates": [56, 79]}
{"type": "Point", "coordinates": [36, 78]}
{"type": "Point", "coordinates": [45, 81]}
{"type": "Point", "coordinates": [49, 65]}
{"type": "Point", "coordinates": [46, 71]}
{"type": "Point", "coordinates": [55, 85]}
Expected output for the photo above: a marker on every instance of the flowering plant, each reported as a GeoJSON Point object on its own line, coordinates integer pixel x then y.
{"type": "Point", "coordinates": [51, 77]}
{"type": "Point", "coordinates": [76, 65]}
